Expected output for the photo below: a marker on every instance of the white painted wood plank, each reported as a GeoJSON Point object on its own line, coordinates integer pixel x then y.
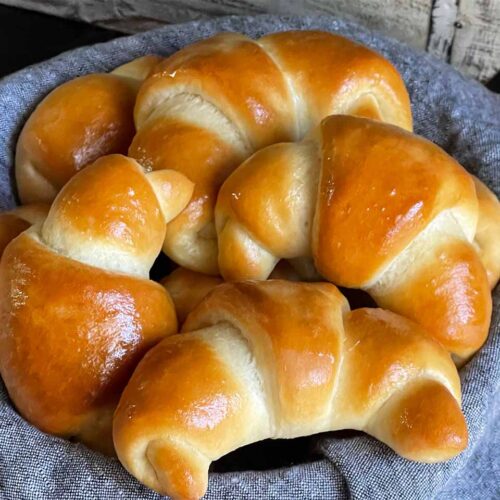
{"type": "Point", "coordinates": [443, 19]}
{"type": "Point", "coordinates": [406, 20]}
{"type": "Point", "coordinates": [476, 46]}
{"type": "Point", "coordinates": [467, 35]}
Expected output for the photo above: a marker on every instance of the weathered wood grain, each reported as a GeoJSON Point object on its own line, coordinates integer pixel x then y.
{"type": "Point", "coordinates": [476, 46]}
{"type": "Point", "coordinates": [442, 30]}
{"type": "Point", "coordinates": [404, 20]}
{"type": "Point", "coordinates": [463, 32]}
{"type": "Point", "coordinates": [407, 20]}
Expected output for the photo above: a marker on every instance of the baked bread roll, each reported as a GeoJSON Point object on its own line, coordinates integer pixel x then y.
{"type": "Point", "coordinates": [17, 220]}
{"type": "Point", "coordinates": [188, 288]}
{"type": "Point", "coordinates": [487, 237]}
{"type": "Point", "coordinates": [377, 208]}
{"type": "Point", "coordinates": [212, 104]}
{"type": "Point", "coordinates": [277, 359]}
{"type": "Point", "coordinates": [79, 121]}
{"type": "Point", "coordinates": [76, 306]}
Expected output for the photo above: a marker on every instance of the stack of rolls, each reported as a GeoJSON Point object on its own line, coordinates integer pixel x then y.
{"type": "Point", "coordinates": [270, 171]}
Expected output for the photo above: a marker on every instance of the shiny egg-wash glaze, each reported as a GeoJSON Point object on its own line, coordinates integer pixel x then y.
{"type": "Point", "coordinates": [78, 122]}
{"type": "Point", "coordinates": [17, 220]}
{"type": "Point", "coordinates": [487, 238]}
{"type": "Point", "coordinates": [377, 208]}
{"type": "Point", "coordinates": [212, 104]}
{"type": "Point", "coordinates": [188, 288]}
{"type": "Point", "coordinates": [77, 308]}
{"type": "Point", "coordinates": [272, 367]}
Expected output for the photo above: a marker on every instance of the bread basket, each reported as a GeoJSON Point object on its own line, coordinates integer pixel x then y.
{"type": "Point", "coordinates": [459, 115]}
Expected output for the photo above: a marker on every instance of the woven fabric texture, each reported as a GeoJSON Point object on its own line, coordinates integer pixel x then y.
{"type": "Point", "coordinates": [456, 113]}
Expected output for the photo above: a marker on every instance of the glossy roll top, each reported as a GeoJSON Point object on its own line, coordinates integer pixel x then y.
{"type": "Point", "coordinates": [382, 186]}
{"type": "Point", "coordinates": [213, 103]}
{"type": "Point", "coordinates": [377, 208]}
{"type": "Point", "coordinates": [255, 363]}
{"type": "Point", "coordinates": [17, 220]}
{"type": "Point", "coordinates": [76, 306]}
{"type": "Point", "coordinates": [113, 215]}
{"type": "Point", "coordinates": [71, 336]}
{"type": "Point", "coordinates": [78, 122]}
{"type": "Point", "coordinates": [487, 237]}
{"type": "Point", "coordinates": [188, 288]}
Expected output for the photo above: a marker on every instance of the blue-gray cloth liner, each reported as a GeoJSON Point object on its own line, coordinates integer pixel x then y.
{"type": "Point", "coordinates": [458, 114]}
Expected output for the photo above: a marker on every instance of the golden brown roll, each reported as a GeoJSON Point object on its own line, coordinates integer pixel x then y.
{"type": "Point", "coordinates": [487, 237]}
{"type": "Point", "coordinates": [377, 208]}
{"type": "Point", "coordinates": [76, 123]}
{"type": "Point", "coordinates": [212, 104]}
{"type": "Point", "coordinates": [17, 220]}
{"type": "Point", "coordinates": [277, 359]}
{"type": "Point", "coordinates": [77, 310]}
{"type": "Point", "coordinates": [188, 288]}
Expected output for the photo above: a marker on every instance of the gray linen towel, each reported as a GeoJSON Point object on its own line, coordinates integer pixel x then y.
{"type": "Point", "coordinates": [456, 113]}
